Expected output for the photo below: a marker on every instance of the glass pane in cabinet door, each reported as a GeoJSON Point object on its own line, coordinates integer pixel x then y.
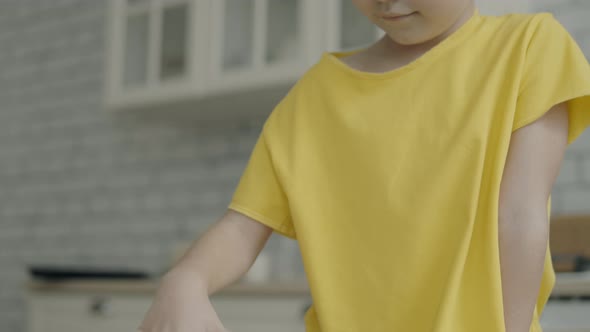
{"type": "Point", "coordinates": [138, 3]}
{"type": "Point", "coordinates": [173, 51]}
{"type": "Point", "coordinates": [136, 50]}
{"type": "Point", "coordinates": [282, 43]}
{"type": "Point", "coordinates": [238, 39]}
{"type": "Point", "coordinates": [356, 29]}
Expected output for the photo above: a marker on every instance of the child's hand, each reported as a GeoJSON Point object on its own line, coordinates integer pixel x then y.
{"type": "Point", "coordinates": [181, 304]}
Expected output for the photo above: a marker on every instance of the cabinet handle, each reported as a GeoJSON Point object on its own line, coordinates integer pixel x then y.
{"type": "Point", "coordinates": [98, 305]}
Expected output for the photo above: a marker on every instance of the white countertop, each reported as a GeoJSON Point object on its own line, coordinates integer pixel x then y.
{"type": "Point", "coordinates": [567, 284]}
{"type": "Point", "coordinates": [150, 285]}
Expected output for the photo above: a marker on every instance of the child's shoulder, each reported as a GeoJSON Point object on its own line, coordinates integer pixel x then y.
{"type": "Point", "coordinates": [521, 22]}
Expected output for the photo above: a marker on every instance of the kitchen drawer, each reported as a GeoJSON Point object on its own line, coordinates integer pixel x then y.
{"type": "Point", "coordinates": [50, 312]}
{"type": "Point", "coordinates": [92, 305]}
{"type": "Point", "coordinates": [566, 316]}
{"type": "Point", "coordinates": [65, 323]}
{"type": "Point", "coordinates": [93, 312]}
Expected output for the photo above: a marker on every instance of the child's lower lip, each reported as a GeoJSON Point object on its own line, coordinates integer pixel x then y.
{"type": "Point", "coordinates": [397, 18]}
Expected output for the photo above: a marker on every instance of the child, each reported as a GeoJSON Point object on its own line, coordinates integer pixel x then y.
{"type": "Point", "coordinates": [415, 174]}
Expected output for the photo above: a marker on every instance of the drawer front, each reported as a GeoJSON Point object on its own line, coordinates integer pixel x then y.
{"type": "Point", "coordinates": [86, 312]}
{"type": "Point", "coordinates": [64, 323]}
{"type": "Point", "coordinates": [67, 312]}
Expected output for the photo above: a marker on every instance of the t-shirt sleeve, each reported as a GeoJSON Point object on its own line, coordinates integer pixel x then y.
{"type": "Point", "coordinates": [555, 71]}
{"type": "Point", "coordinates": [260, 193]}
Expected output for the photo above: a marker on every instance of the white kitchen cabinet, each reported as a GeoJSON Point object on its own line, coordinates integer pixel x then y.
{"type": "Point", "coordinates": [166, 51]}
{"type": "Point", "coordinates": [169, 51]}
{"type": "Point", "coordinates": [155, 44]}
{"type": "Point", "coordinates": [122, 309]}
{"type": "Point", "coordinates": [153, 53]}
{"type": "Point", "coordinates": [117, 306]}
{"type": "Point", "coordinates": [119, 312]}
{"type": "Point", "coordinates": [257, 43]}
{"type": "Point", "coordinates": [89, 312]}
{"type": "Point", "coordinates": [172, 50]}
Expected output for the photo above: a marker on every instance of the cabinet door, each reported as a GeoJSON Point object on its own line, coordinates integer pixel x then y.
{"type": "Point", "coordinates": [156, 42]}
{"type": "Point", "coordinates": [283, 42]}
{"type": "Point", "coordinates": [86, 312]}
{"type": "Point", "coordinates": [136, 42]}
{"type": "Point", "coordinates": [237, 22]}
{"type": "Point", "coordinates": [173, 49]}
{"type": "Point", "coordinates": [157, 50]}
{"type": "Point", "coordinates": [45, 322]}
{"type": "Point", "coordinates": [257, 34]}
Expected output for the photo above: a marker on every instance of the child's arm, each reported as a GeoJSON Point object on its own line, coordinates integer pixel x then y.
{"type": "Point", "coordinates": [225, 252]}
{"type": "Point", "coordinates": [534, 158]}
{"type": "Point", "coordinates": [220, 257]}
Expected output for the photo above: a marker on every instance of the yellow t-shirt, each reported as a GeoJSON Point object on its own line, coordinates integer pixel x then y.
{"type": "Point", "coordinates": [390, 181]}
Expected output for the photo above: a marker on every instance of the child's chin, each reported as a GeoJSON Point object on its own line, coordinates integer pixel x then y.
{"type": "Point", "coordinates": [409, 39]}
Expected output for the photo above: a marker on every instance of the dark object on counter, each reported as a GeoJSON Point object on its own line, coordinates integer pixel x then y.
{"type": "Point", "coordinates": [58, 273]}
{"type": "Point", "coordinates": [569, 298]}
{"type": "Point", "coordinates": [568, 241]}
{"type": "Point", "coordinates": [570, 263]}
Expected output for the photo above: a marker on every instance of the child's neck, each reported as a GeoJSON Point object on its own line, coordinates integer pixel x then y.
{"type": "Point", "coordinates": [386, 54]}
{"type": "Point", "coordinates": [388, 48]}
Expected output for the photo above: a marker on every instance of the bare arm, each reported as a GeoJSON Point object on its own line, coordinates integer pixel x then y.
{"type": "Point", "coordinates": [218, 258]}
{"type": "Point", "coordinates": [224, 252]}
{"type": "Point", "coordinates": [534, 158]}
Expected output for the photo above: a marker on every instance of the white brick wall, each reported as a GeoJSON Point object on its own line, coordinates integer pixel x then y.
{"type": "Point", "coordinates": [83, 186]}
{"type": "Point", "coordinates": [74, 178]}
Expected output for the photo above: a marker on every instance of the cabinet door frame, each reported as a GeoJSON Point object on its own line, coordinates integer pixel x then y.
{"type": "Point", "coordinates": [259, 71]}
{"type": "Point", "coordinates": [155, 89]}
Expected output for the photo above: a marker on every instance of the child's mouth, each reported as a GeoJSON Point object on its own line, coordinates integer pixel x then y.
{"type": "Point", "coordinates": [397, 17]}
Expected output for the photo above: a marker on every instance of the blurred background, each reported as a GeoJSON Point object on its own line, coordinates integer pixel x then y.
{"type": "Point", "coordinates": [125, 126]}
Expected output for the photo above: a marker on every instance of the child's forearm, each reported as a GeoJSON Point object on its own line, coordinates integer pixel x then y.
{"type": "Point", "coordinates": [523, 243]}
{"type": "Point", "coordinates": [224, 252]}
